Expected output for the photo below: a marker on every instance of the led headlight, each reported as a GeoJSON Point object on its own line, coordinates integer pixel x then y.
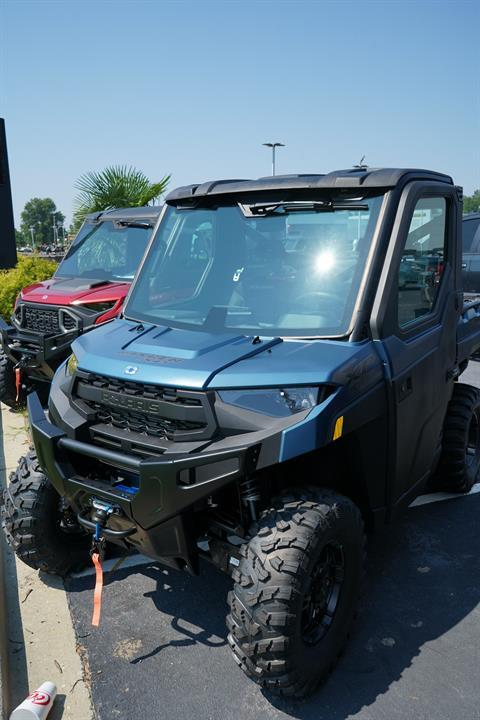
{"type": "Point", "coordinates": [278, 402]}
{"type": "Point", "coordinates": [72, 364]}
{"type": "Point", "coordinates": [99, 306]}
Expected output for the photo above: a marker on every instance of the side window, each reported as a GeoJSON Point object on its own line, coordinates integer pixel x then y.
{"type": "Point", "coordinates": [422, 261]}
{"type": "Point", "coordinates": [471, 236]}
{"type": "Point", "coordinates": [476, 240]}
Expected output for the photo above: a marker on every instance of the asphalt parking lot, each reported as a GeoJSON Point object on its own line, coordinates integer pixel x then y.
{"type": "Point", "coordinates": [414, 651]}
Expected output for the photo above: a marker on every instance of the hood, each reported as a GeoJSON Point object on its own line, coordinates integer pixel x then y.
{"type": "Point", "coordinates": [65, 291]}
{"type": "Point", "coordinates": [197, 360]}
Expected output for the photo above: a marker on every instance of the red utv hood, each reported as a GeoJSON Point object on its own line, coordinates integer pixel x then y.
{"type": "Point", "coordinates": [65, 291]}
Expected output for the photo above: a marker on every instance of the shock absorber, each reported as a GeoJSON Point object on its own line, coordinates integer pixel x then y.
{"type": "Point", "coordinates": [250, 496]}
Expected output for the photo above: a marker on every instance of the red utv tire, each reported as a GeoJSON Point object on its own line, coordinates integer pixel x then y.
{"type": "Point", "coordinates": [41, 534]}
{"type": "Point", "coordinates": [8, 392]}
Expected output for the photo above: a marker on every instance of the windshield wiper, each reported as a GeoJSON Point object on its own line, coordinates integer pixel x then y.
{"type": "Point", "coordinates": [134, 224]}
{"type": "Point", "coordinates": [284, 208]}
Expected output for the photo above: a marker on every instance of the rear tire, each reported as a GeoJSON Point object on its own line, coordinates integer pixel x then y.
{"type": "Point", "coordinates": [460, 460]}
{"type": "Point", "coordinates": [296, 590]}
{"type": "Point", "coordinates": [40, 534]}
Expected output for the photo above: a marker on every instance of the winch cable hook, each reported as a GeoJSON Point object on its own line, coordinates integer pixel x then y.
{"type": "Point", "coordinates": [23, 362]}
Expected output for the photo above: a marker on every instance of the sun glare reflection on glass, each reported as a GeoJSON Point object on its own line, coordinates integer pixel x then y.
{"type": "Point", "coordinates": [324, 262]}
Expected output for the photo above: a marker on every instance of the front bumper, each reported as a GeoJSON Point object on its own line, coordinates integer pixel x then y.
{"type": "Point", "coordinates": [155, 497]}
{"type": "Point", "coordinates": [40, 352]}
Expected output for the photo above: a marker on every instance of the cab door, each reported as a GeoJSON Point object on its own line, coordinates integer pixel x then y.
{"type": "Point", "coordinates": [415, 319]}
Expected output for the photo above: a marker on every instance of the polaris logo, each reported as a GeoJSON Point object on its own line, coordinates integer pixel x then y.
{"type": "Point", "coordinates": [131, 370]}
{"type": "Point", "coordinates": [130, 403]}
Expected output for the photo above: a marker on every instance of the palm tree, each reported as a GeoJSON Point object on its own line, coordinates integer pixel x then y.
{"type": "Point", "coordinates": [115, 187]}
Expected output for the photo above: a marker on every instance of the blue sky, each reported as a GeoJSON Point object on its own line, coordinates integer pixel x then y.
{"type": "Point", "coordinates": [194, 88]}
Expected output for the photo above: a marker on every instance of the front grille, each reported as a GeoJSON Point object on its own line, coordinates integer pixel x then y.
{"type": "Point", "coordinates": [46, 320]}
{"type": "Point", "coordinates": [146, 409]}
{"type": "Point", "coordinates": [143, 423]}
{"type": "Point", "coordinates": [41, 320]}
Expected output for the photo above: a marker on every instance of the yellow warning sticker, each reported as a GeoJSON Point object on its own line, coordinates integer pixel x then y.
{"type": "Point", "coordinates": [337, 433]}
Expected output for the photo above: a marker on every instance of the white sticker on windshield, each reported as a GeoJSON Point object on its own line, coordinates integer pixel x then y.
{"type": "Point", "coordinates": [237, 273]}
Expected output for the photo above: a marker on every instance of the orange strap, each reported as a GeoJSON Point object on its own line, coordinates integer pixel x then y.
{"type": "Point", "coordinates": [18, 381]}
{"type": "Point", "coordinates": [97, 596]}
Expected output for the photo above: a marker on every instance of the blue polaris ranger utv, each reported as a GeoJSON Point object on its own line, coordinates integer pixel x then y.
{"type": "Point", "coordinates": [285, 375]}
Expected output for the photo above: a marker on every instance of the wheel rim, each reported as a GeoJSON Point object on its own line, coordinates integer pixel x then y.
{"type": "Point", "coordinates": [473, 440]}
{"type": "Point", "coordinates": [322, 597]}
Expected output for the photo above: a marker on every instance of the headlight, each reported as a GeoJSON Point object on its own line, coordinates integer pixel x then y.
{"type": "Point", "coordinates": [98, 306]}
{"type": "Point", "coordinates": [278, 402]}
{"type": "Point", "coordinates": [72, 364]}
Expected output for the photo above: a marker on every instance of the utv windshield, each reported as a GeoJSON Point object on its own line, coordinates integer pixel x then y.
{"type": "Point", "coordinates": [107, 251]}
{"type": "Point", "coordinates": [288, 269]}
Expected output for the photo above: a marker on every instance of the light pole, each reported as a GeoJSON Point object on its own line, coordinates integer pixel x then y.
{"type": "Point", "coordinates": [32, 232]}
{"type": "Point", "coordinates": [54, 225]}
{"type": "Point", "coordinates": [60, 227]}
{"type": "Point", "coordinates": [273, 146]}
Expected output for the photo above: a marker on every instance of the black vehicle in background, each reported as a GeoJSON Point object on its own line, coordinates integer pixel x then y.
{"type": "Point", "coordinates": [471, 253]}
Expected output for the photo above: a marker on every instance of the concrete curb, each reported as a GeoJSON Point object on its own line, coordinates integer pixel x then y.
{"type": "Point", "coordinates": [37, 609]}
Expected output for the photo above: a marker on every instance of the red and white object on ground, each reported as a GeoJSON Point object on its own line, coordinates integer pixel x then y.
{"type": "Point", "coordinates": [37, 705]}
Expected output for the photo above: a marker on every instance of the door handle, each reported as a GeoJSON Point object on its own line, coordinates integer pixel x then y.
{"type": "Point", "coordinates": [405, 387]}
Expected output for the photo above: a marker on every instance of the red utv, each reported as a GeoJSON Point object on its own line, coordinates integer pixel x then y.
{"type": "Point", "coordinates": [87, 290]}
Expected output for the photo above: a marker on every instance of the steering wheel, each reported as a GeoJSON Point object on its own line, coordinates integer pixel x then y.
{"type": "Point", "coordinates": [318, 302]}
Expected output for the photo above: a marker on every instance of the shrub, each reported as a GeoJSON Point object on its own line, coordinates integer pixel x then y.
{"type": "Point", "coordinates": [27, 271]}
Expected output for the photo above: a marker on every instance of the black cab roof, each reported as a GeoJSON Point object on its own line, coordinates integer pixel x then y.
{"type": "Point", "coordinates": [338, 179]}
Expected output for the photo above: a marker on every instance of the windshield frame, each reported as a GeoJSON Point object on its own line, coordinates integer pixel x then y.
{"type": "Point", "coordinates": [384, 194]}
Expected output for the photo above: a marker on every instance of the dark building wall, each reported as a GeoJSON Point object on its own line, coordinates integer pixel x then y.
{"type": "Point", "coordinates": [8, 252]}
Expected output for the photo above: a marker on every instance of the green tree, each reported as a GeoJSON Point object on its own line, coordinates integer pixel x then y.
{"type": "Point", "coordinates": [19, 239]}
{"type": "Point", "coordinates": [472, 203]}
{"type": "Point", "coordinates": [115, 187]}
{"type": "Point", "coordinates": [38, 214]}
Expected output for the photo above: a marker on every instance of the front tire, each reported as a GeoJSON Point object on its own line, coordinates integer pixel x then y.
{"type": "Point", "coordinates": [39, 532]}
{"type": "Point", "coordinates": [296, 590]}
{"type": "Point", "coordinates": [8, 393]}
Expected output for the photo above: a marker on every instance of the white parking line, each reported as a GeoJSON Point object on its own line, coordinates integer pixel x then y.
{"type": "Point", "coordinates": [128, 562]}
{"type": "Point", "coordinates": [436, 497]}
{"type": "Point", "coordinates": [132, 561]}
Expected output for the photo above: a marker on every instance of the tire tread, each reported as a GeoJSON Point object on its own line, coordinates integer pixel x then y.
{"type": "Point", "coordinates": [268, 581]}
{"type": "Point", "coordinates": [26, 509]}
{"type": "Point", "coordinates": [453, 474]}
